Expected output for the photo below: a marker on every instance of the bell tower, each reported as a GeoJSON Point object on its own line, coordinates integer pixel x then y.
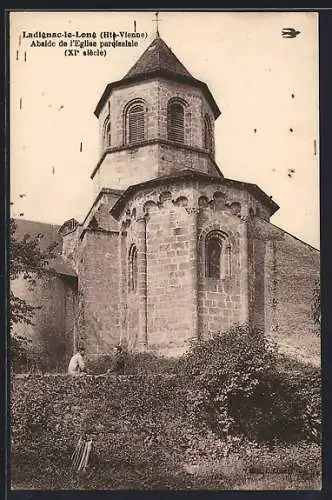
{"type": "Point", "coordinates": [157, 120]}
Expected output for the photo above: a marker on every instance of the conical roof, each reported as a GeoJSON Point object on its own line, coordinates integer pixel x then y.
{"type": "Point", "coordinates": [158, 60]}
{"type": "Point", "coordinates": [158, 56]}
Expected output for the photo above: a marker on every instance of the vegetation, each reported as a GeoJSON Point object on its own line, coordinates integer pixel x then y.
{"type": "Point", "coordinates": [315, 304]}
{"type": "Point", "coordinates": [27, 260]}
{"type": "Point", "coordinates": [230, 414]}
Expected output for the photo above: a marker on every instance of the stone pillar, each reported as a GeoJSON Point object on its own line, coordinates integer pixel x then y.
{"type": "Point", "coordinates": [123, 287]}
{"type": "Point", "coordinates": [244, 273]}
{"type": "Point", "coordinates": [142, 282]}
{"type": "Point", "coordinates": [193, 269]}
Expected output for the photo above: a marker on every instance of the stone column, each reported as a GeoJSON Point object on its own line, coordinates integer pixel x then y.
{"type": "Point", "coordinates": [193, 270]}
{"type": "Point", "coordinates": [244, 272]}
{"type": "Point", "coordinates": [123, 286]}
{"type": "Point", "coordinates": [142, 282]}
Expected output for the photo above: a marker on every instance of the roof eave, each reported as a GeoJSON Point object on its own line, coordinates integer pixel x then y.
{"type": "Point", "coordinates": [117, 207]}
{"type": "Point", "coordinates": [153, 74]}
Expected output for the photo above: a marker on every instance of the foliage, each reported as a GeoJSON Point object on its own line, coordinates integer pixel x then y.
{"type": "Point", "coordinates": [27, 260]}
{"type": "Point", "coordinates": [136, 364]}
{"type": "Point", "coordinates": [315, 304]}
{"type": "Point", "coordinates": [20, 352]}
{"type": "Point", "coordinates": [141, 437]}
{"type": "Point", "coordinates": [235, 387]}
{"type": "Point", "coordinates": [302, 457]}
{"type": "Point", "coordinates": [231, 404]}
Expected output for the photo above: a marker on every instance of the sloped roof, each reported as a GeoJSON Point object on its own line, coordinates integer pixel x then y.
{"type": "Point", "coordinates": [49, 233]}
{"type": "Point", "coordinates": [158, 61]}
{"type": "Point", "coordinates": [191, 174]}
{"type": "Point", "coordinates": [158, 56]}
{"type": "Point", "coordinates": [62, 267]}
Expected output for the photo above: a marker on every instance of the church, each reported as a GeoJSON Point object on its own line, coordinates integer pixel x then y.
{"type": "Point", "coordinates": [170, 251]}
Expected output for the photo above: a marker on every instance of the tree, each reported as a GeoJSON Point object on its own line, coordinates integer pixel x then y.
{"type": "Point", "coordinates": [27, 260]}
{"type": "Point", "coordinates": [315, 304]}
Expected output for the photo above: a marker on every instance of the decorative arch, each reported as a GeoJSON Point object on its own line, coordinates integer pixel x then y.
{"type": "Point", "coordinates": [132, 268]}
{"type": "Point", "coordinates": [176, 119]}
{"type": "Point", "coordinates": [135, 122]}
{"type": "Point", "coordinates": [217, 253]}
{"type": "Point", "coordinates": [208, 140]}
{"type": "Point", "coordinates": [149, 206]}
{"type": "Point", "coordinates": [203, 201]}
{"type": "Point", "coordinates": [235, 208]}
{"type": "Point", "coordinates": [107, 132]}
{"type": "Point", "coordinates": [219, 199]}
{"type": "Point", "coordinates": [181, 201]}
{"type": "Point", "coordinates": [165, 196]}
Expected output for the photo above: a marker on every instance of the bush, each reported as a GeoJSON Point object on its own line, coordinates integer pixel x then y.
{"type": "Point", "coordinates": [136, 364]}
{"type": "Point", "coordinates": [303, 458]}
{"type": "Point", "coordinates": [131, 420]}
{"type": "Point", "coordinates": [228, 395]}
{"type": "Point", "coordinates": [236, 387]}
{"type": "Point", "coordinates": [21, 353]}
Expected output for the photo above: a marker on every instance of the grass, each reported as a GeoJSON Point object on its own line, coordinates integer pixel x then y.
{"type": "Point", "coordinates": [293, 467]}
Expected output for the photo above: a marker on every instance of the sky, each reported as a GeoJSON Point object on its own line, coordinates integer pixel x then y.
{"type": "Point", "coordinates": [265, 85]}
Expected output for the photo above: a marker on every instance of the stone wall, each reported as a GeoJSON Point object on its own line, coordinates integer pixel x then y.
{"type": "Point", "coordinates": [52, 331]}
{"type": "Point", "coordinates": [221, 300]}
{"type": "Point", "coordinates": [98, 298]}
{"type": "Point", "coordinates": [122, 165]}
{"type": "Point", "coordinates": [287, 269]}
{"type": "Point", "coordinates": [179, 301]}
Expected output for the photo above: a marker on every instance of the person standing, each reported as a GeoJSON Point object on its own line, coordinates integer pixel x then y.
{"type": "Point", "coordinates": [118, 364]}
{"type": "Point", "coordinates": [77, 364]}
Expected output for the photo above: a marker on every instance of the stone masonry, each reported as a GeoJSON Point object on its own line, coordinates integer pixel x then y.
{"type": "Point", "coordinates": [143, 256]}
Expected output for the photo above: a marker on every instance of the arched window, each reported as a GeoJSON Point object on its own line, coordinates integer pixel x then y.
{"type": "Point", "coordinates": [217, 255]}
{"type": "Point", "coordinates": [133, 268]}
{"type": "Point", "coordinates": [175, 122]}
{"type": "Point", "coordinates": [135, 123]}
{"type": "Point", "coordinates": [107, 133]}
{"type": "Point", "coordinates": [207, 134]}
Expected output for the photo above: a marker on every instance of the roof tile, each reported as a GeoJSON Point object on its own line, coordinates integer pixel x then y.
{"type": "Point", "coordinates": [158, 56]}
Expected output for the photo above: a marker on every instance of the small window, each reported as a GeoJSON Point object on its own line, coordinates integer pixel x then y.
{"type": "Point", "coordinates": [207, 134]}
{"type": "Point", "coordinates": [135, 124]}
{"type": "Point", "coordinates": [107, 133]}
{"type": "Point", "coordinates": [175, 122]}
{"type": "Point", "coordinates": [213, 258]}
{"type": "Point", "coordinates": [217, 255]}
{"type": "Point", "coordinates": [133, 268]}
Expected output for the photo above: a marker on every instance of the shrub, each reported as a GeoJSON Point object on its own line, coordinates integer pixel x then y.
{"type": "Point", "coordinates": [20, 352]}
{"type": "Point", "coordinates": [228, 395]}
{"type": "Point", "coordinates": [136, 364]}
{"type": "Point", "coordinates": [131, 420]}
{"type": "Point", "coordinates": [235, 387]}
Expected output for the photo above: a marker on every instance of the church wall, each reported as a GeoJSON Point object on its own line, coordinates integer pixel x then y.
{"type": "Point", "coordinates": [171, 278]}
{"type": "Point", "coordinates": [129, 166]}
{"type": "Point", "coordinates": [137, 163]}
{"type": "Point", "coordinates": [121, 97]}
{"type": "Point", "coordinates": [156, 95]}
{"type": "Point", "coordinates": [52, 332]}
{"type": "Point", "coordinates": [220, 299]}
{"type": "Point", "coordinates": [98, 313]}
{"type": "Point", "coordinates": [130, 297]}
{"type": "Point", "coordinates": [165, 233]}
{"type": "Point", "coordinates": [174, 158]}
{"type": "Point", "coordinates": [290, 270]}
{"type": "Point", "coordinates": [195, 103]}
{"type": "Point", "coordinates": [179, 216]}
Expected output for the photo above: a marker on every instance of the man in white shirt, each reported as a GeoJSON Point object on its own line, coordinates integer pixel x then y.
{"type": "Point", "coordinates": [77, 365]}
